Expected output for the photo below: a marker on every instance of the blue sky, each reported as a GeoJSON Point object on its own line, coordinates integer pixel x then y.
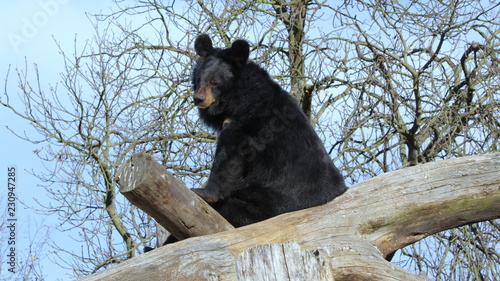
{"type": "Point", "coordinates": [28, 31]}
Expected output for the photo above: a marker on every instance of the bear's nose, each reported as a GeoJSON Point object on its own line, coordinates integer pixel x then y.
{"type": "Point", "coordinates": [198, 98]}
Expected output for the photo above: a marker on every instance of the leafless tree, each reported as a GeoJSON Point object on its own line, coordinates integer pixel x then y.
{"type": "Point", "coordinates": [386, 84]}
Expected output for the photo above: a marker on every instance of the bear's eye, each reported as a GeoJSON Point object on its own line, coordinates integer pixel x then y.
{"type": "Point", "coordinates": [214, 83]}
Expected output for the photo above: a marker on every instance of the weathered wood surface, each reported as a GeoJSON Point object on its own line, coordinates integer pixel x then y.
{"type": "Point", "coordinates": [150, 187]}
{"type": "Point", "coordinates": [352, 233]}
{"type": "Point", "coordinates": [288, 262]}
{"type": "Point", "coordinates": [282, 262]}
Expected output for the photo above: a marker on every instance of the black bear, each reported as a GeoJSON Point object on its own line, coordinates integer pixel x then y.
{"type": "Point", "coordinates": [268, 158]}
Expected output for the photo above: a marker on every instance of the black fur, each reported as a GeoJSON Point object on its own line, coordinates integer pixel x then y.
{"type": "Point", "coordinates": [268, 159]}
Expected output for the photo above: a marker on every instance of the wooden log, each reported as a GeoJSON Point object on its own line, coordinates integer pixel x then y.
{"type": "Point", "coordinates": [354, 231]}
{"type": "Point", "coordinates": [149, 186]}
{"type": "Point", "coordinates": [289, 262]}
{"type": "Point", "coordinates": [285, 261]}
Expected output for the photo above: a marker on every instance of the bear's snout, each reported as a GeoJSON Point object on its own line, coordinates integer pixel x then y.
{"type": "Point", "coordinates": [198, 98]}
{"type": "Point", "coordinates": [204, 97]}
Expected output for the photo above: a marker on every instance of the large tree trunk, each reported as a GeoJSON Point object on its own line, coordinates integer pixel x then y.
{"type": "Point", "coordinates": [346, 239]}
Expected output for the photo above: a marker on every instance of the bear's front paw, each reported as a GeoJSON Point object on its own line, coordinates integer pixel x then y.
{"type": "Point", "coordinates": [205, 195]}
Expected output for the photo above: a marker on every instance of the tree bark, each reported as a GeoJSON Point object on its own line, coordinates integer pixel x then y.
{"type": "Point", "coordinates": [351, 234]}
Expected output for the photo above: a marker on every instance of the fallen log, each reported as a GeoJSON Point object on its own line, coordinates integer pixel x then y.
{"type": "Point", "coordinates": [149, 186]}
{"type": "Point", "coordinates": [349, 236]}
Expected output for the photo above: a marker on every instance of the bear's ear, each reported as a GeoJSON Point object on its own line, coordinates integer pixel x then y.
{"type": "Point", "coordinates": [239, 52]}
{"type": "Point", "coordinates": [203, 45]}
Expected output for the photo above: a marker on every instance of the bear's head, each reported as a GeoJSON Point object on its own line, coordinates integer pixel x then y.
{"type": "Point", "coordinates": [215, 73]}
